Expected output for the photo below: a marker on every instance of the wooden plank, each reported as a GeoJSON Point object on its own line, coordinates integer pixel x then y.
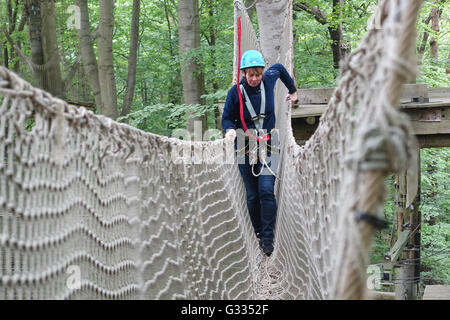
{"type": "Point", "coordinates": [323, 95]}
{"type": "Point", "coordinates": [397, 249]}
{"type": "Point", "coordinates": [433, 103]}
{"type": "Point", "coordinates": [425, 128]}
{"type": "Point", "coordinates": [308, 110]}
{"type": "Point", "coordinates": [434, 140]}
{"type": "Point", "coordinates": [413, 90]}
{"type": "Point", "coordinates": [314, 96]}
{"type": "Point", "coordinates": [436, 292]}
{"type": "Point", "coordinates": [437, 93]}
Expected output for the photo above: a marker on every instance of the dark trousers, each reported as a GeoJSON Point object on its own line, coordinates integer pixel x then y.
{"type": "Point", "coordinates": [261, 202]}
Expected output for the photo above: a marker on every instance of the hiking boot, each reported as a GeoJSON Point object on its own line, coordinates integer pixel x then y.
{"type": "Point", "coordinates": [267, 248]}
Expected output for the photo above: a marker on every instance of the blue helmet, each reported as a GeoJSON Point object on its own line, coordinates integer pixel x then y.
{"type": "Point", "coordinates": [251, 59]}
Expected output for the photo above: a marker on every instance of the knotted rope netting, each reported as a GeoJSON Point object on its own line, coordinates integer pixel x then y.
{"type": "Point", "coordinates": [91, 208]}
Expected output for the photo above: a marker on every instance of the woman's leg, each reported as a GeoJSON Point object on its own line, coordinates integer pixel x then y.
{"type": "Point", "coordinates": [268, 208]}
{"type": "Point", "coordinates": [253, 200]}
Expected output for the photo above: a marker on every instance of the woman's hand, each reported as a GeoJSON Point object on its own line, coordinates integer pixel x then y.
{"type": "Point", "coordinates": [292, 97]}
{"type": "Point", "coordinates": [231, 134]}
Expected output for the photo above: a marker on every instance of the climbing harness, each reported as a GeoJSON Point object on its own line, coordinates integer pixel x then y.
{"type": "Point", "coordinates": [258, 119]}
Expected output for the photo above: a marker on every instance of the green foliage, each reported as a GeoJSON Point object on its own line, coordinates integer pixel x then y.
{"type": "Point", "coordinates": [313, 58]}
{"type": "Point", "coordinates": [435, 209]}
{"type": "Point", "coordinates": [432, 70]}
{"type": "Point", "coordinates": [168, 117]}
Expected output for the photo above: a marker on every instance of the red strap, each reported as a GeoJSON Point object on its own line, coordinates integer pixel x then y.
{"type": "Point", "coordinates": [241, 109]}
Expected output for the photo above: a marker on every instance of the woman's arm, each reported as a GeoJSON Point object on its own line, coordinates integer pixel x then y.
{"type": "Point", "coordinates": [284, 76]}
{"type": "Point", "coordinates": [279, 71]}
{"type": "Point", "coordinates": [229, 116]}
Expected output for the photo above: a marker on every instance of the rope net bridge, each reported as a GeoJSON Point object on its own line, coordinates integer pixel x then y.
{"type": "Point", "coordinates": [94, 209]}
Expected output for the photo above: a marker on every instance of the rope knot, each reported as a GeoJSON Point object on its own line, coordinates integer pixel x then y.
{"type": "Point", "coordinates": [384, 149]}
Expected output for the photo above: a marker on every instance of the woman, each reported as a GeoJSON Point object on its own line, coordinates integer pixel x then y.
{"type": "Point", "coordinates": [257, 90]}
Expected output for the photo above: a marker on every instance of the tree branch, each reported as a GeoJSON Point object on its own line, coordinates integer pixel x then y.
{"type": "Point", "coordinates": [314, 10]}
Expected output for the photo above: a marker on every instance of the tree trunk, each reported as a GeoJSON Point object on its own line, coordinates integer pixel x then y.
{"type": "Point", "coordinates": [88, 58]}
{"type": "Point", "coordinates": [106, 75]}
{"type": "Point", "coordinates": [421, 49]}
{"type": "Point", "coordinates": [33, 9]}
{"type": "Point", "coordinates": [175, 85]}
{"type": "Point", "coordinates": [50, 48]}
{"type": "Point", "coordinates": [212, 44]}
{"type": "Point", "coordinates": [191, 75]}
{"type": "Point", "coordinates": [132, 58]}
{"type": "Point", "coordinates": [271, 14]}
{"type": "Point", "coordinates": [434, 46]}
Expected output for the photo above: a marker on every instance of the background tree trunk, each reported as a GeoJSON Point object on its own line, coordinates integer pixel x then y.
{"type": "Point", "coordinates": [50, 48]}
{"type": "Point", "coordinates": [88, 57]}
{"type": "Point", "coordinates": [106, 75]}
{"type": "Point", "coordinates": [33, 9]}
{"type": "Point", "coordinates": [211, 38]}
{"type": "Point", "coordinates": [175, 77]}
{"type": "Point", "coordinates": [132, 58]}
{"type": "Point", "coordinates": [434, 46]}
{"type": "Point", "coordinates": [271, 15]}
{"type": "Point", "coordinates": [421, 48]}
{"type": "Point", "coordinates": [191, 75]}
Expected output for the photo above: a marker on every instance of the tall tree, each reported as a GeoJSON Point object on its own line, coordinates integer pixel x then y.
{"type": "Point", "coordinates": [132, 58]}
{"type": "Point", "coordinates": [189, 40]}
{"type": "Point", "coordinates": [434, 45]}
{"type": "Point", "coordinates": [88, 54]}
{"type": "Point", "coordinates": [50, 48]}
{"type": "Point", "coordinates": [175, 75]}
{"type": "Point", "coordinates": [105, 59]}
{"type": "Point", "coordinates": [270, 21]}
{"type": "Point", "coordinates": [421, 48]}
{"type": "Point", "coordinates": [33, 10]}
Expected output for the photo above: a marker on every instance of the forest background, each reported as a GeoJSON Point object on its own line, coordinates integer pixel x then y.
{"type": "Point", "coordinates": [159, 65]}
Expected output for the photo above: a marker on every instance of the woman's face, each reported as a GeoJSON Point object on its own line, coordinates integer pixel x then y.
{"type": "Point", "coordinates": [254, 76]}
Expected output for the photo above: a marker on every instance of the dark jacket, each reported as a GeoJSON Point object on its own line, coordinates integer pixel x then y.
{"type": "Point", "coordinates": [231, 115]}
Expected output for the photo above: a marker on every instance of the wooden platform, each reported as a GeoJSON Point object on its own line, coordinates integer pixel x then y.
{"type": "Point", "coordinates": [436, 292]}
{"type": "Point", "coordinates": [428, 110]}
